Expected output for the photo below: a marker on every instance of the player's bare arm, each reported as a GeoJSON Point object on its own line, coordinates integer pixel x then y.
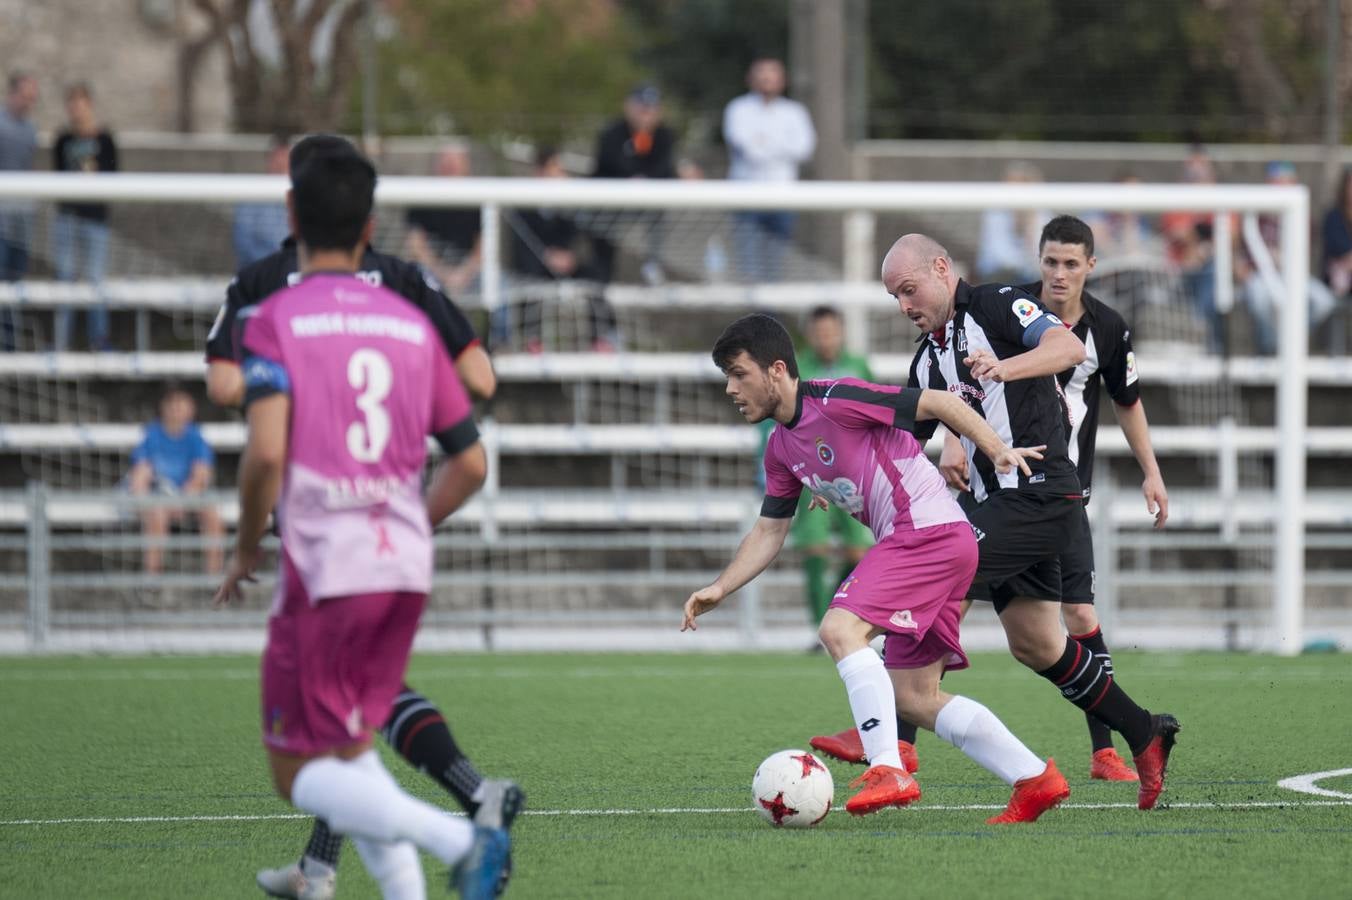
{"type": "Point", "coordinates": [260, 483]}
{"type": "Point", "coordinates": [476, 372]}
{"type": "Point", "coordinates": [1057, 350]}
{"type": "Point", "coordinates": [455, 480]}
{"type": "Point", "coordinates": [960, 417]}
{"type": "Point", "coordinates": [757, 550]}
{"type": "Point", "coordinates": [1137, 430]}
{"type": "Point", "coordinates": [225, 384]}
{"type": "Point", "coordinates": [953, 462]}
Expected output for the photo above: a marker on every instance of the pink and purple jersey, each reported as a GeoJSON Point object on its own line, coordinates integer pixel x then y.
{"type": "Point", "coordinates": [369, 381]}
{"type": "Point", "coordinates": [849, 442]}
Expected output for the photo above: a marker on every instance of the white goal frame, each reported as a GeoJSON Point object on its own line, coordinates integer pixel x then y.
{"type": "Point", "coordinates": [859, 201]}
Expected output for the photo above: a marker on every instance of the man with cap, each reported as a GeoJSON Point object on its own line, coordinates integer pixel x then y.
{"type": "Point", "coordinates": [636, 145]}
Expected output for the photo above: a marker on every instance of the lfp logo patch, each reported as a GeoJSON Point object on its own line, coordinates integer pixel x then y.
{"type": "Point", "coordinates": [1026, 310]}
{"type": "Point", "coordinates": [825, 453]}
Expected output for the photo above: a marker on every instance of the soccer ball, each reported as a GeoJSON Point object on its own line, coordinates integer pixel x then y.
{"type": "Point", "coordinates": [792, 789]}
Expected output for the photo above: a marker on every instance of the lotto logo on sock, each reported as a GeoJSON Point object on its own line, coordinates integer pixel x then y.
{"type": "Point", "coordinates": [869, 725]}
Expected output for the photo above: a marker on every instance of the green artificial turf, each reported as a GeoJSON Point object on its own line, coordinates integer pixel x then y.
{"type": "Point", "coordinates": [638, 772]}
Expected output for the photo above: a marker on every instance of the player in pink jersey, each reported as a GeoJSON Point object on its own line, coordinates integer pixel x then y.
{"type": "Point", "coordinates": [849, 443]}
{"type": "Point", "coordinates": [344, 383]}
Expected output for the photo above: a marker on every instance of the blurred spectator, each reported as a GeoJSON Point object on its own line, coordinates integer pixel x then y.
{"type": "Point", "coordinates": [1120, 235]}
{"type": "Point", "coordinates": [80, 230]}
{"type": "Point", "coordinates": [445, 240]}
{"type": "Point", "coordinates": [1007, 250]}
{"type": "Point", "coordinates": [1129, 255]}
{"type": "Point", "coordinates": [1188, 243]}
{"type": "Point", "coordinates": [545, 247]}
{"type": "Point", "coordinates": [637, 145]}
{"type": "Point", "coordinates": [1258, 291]}
{"type": "Point", "coordinates": [260, 228]}
{"type": "Point", "coordinates": [18, 146]}
{"type": "Point", "coordinates": [174, 460]}
{"type": "Point", "coordinates": [1337, 239]}
{"type": "Point", "coordinates": [768, 136]}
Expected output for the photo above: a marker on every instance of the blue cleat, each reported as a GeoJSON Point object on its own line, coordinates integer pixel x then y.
{"type": "Point", "coordinates": [476, 876]}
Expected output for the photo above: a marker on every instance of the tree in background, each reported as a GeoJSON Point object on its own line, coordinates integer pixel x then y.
{"type": "Point", "coordinates": [544, 70]}
{"type": "Point", "coordinates": [291, 63]}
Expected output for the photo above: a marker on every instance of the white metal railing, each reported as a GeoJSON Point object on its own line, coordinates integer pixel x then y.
{"type": "Point", "coordinates": [1171, 370]}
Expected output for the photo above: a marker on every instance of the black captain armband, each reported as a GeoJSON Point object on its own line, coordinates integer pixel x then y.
{"type": "Point", "coordinates": [458, 437]}
{"type": "Point", "coordinates": [779, 507]}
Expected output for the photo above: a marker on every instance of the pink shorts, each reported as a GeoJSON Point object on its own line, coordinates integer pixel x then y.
{"type": "Point", "coordinates": [332, 670]}
{"type": "Point", "coordinates": [911, 585]}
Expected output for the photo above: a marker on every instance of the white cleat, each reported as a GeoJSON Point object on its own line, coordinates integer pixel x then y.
{"type": "Point", "coordinates": [315, 881]}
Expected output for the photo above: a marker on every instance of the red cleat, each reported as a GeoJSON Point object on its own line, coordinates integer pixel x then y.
{"type": "Point", "coordinates": [1108, 766]}
{"type": "Point", "coordinates": [1154, 759]}
{"type": "Point", "coordinates": [1034, 796]}
{"type": "Point", "coordinates": [847, 747]}
{"type": "Point", "coordinates": [882, 786]}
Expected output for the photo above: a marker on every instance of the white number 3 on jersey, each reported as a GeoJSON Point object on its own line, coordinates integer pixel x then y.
{"type": "Point", "coordinates": [369, 373]}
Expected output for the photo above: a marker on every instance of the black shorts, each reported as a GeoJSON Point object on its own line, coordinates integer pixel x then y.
{"type": "Point", "coordinates": [1021, 537]}
{"type": "Point", "coordinates": [1077, 565]}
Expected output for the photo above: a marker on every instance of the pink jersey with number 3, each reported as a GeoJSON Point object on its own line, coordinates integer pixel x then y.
{"type": "Point", "coordinates": [369, 381]}
{"type": "Point", "coordinates": [849, 443]}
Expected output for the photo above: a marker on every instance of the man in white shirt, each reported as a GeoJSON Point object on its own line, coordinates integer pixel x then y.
{"type": "Point", "coordinates": [768, 136]}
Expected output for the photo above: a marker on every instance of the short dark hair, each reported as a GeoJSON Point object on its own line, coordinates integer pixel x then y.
{"type": "Point", "coordinates": [762, 337]}
{"type": "Point", "coordinates": [16, 78]}
{"type": "Point", "coordinates": [1068, 230]}
{"type": "Point", "coordinates": [310, 145]}
{"type": "Point", "coordinates": [544, 154]}
{"type": "Point", "coordinates": [823, 312]}
{"type": "Point", "coordinates": [79, 89]}
{"type": "Point", "coordinates": [333, 194]}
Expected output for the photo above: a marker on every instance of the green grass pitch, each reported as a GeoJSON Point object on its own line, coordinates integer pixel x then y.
{"type": "Point", "coordinates": [144, 778]}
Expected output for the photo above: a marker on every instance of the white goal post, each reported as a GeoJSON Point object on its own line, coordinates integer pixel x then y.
{"type": "Point", "coordinates": [859, 202]}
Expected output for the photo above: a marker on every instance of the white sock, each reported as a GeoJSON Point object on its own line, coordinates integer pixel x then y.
{"type": "Point", "coordinates": [873, 704]}
{"type": "Point", "coordinates": [976, 731]}
{"type": "Point", "coordinates": [395, 867]}
{"type": "Point", "coordinates": [360, 799]}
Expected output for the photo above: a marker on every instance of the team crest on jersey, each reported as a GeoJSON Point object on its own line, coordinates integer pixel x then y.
{"type": "Point", "coordinates": [825, 453]}
{"type": "Point", "coordinates": [1131, 367]}
{"type": "Point", "coordinates": [1027, 311]}
{"type": "Point", "coordinates": [962, 340]}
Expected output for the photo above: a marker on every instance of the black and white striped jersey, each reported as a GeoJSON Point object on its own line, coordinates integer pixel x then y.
{"type": "Point", "coordinates": [1007, 321]}
{"type": "Point", "coordinates": [1108, 358]}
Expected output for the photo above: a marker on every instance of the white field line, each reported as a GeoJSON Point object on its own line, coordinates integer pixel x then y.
{"type": "Point", "coordinates": [1306, 784]}
{"type": "Point", "coordinates": [667, 811]}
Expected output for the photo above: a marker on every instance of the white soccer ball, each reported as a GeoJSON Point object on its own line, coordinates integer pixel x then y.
{"type": "Point", "coordinates": [792, 789]}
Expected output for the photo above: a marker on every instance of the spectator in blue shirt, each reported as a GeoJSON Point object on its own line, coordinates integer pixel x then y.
{"type": "Point", "coordinates": [260, 228]}
{"type": "Point", "coordinates": [172, 460]}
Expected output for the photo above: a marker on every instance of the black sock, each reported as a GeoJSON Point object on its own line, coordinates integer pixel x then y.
{"type": "Point", "coordinates": [418, 732]}
{"type": "Point", "coordinates": [1100, 735]}
{"type": "Point", "coordinates": [1082, 681]}
{"type": "Point", "coordinates": [324, 844]}
{"type": "Point", "coordinates": [906, 731]}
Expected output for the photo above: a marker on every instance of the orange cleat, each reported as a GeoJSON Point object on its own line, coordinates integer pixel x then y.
{"type": "Point", "coordinates": [1154, 759]}
{"type": "Point", "coordinates": [1108, 766]}
{"type": "Point", "coordinates": [882, 786]}
{"type": "Point", "coordinates": [1034, 796]}
{"type": "Point", "coordinates": [848, 747]}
